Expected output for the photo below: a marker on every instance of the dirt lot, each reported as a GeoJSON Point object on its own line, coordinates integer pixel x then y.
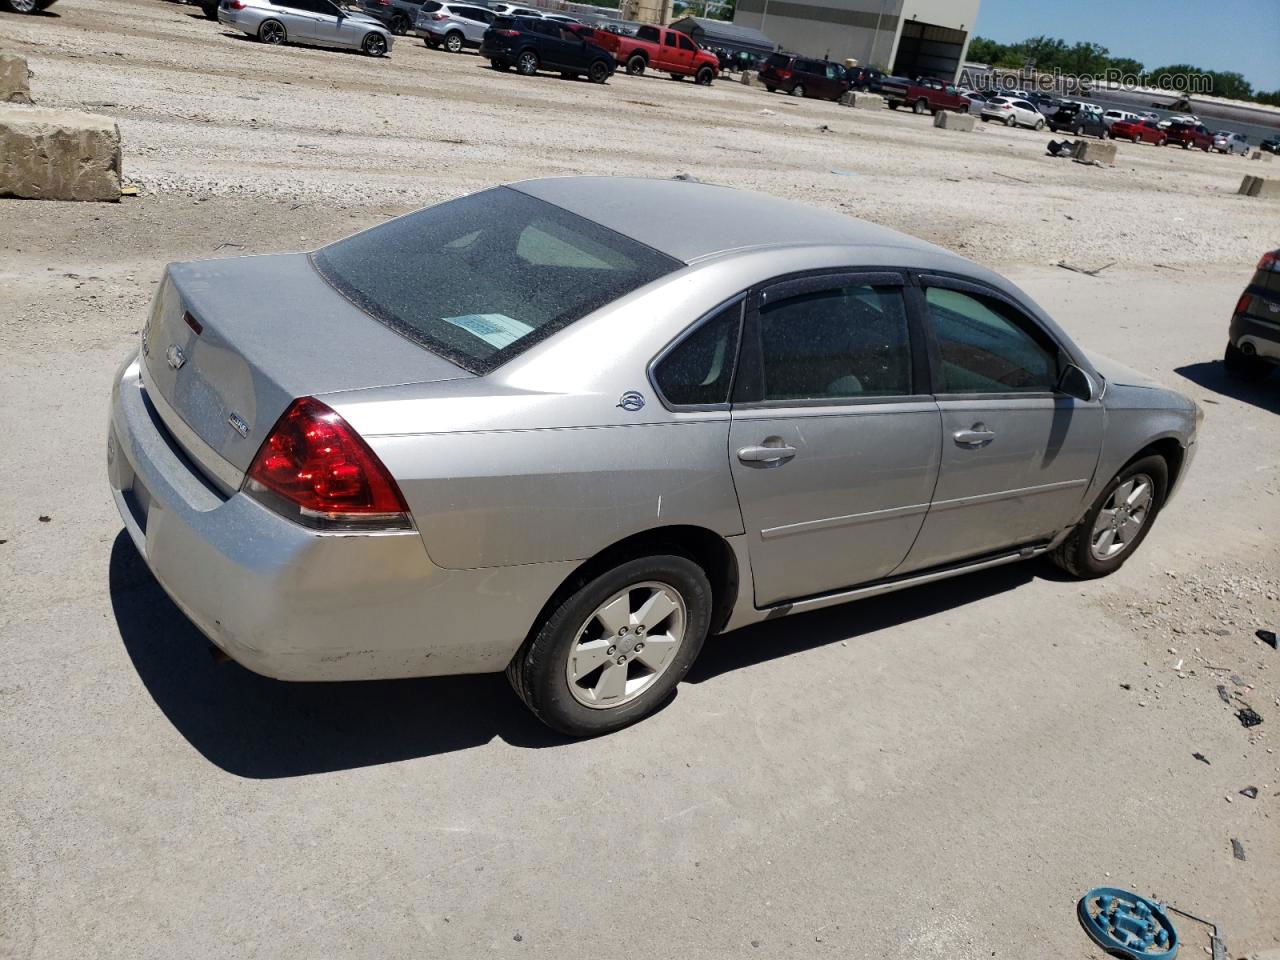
{"type": "Point", "coordinates": [932, 774]}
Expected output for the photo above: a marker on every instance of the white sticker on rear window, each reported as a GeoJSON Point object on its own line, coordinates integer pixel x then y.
{"type": "Point", "coordinates": [495, 329]}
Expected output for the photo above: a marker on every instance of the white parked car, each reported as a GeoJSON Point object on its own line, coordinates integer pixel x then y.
{"type": "Point", "coordinates": [1013, 112]}
{"type": "Point", "coordinates": [1224, 141]}
{"type": "Point", "coordinates": [513, 10]}
{"type": "Point", "coordinates": [1115, 116]}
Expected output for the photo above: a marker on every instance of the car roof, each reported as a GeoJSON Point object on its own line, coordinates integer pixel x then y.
{"type": "Point", "coordinates": [693, 221]}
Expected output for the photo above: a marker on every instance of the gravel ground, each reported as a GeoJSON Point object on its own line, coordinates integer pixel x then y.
{"type": "Point", "coordinates": [938, 773]}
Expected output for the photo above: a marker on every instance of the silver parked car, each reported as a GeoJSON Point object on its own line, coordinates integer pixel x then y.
{"type": "Point", "coordinates": [454, 26]}
{"type": "Point", "coordinates": [321, 23]}
{"type": "Point", "coordinates": [543, 429]}
{"type": "Point", "coordinates": [1225, 141]}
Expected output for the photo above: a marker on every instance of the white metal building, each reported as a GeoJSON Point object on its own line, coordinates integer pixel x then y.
{"type": "Point", "coordinates": [904, 37]}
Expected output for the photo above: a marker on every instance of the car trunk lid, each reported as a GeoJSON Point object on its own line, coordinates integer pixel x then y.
{"type": "Point", "coordinates": [231, 343]}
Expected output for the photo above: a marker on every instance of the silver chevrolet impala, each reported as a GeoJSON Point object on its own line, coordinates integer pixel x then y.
{"type": "Point", "coordinates": [567, 428]}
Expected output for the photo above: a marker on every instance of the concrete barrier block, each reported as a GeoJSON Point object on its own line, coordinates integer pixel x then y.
{"type": "Point", "coordinates": [947, 120]}
{"type": "Point", "coordinates": [847, 98]}
{"type": "Point", "coordinates": [748, 78]}
{"type": "Point", "coordinates": [1095, 151]}
{"type": "Point", "coordinates": [869, 101]}
{"type": "Point", "coordinates": [14, 86]}
{"type": "Point", "coordinates": [1249, 186]}
{"type": "Point", "coordinates": [58, 155]}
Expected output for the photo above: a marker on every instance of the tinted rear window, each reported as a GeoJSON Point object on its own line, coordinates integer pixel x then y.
{"type": "Point", "coordinates": [481, 279]}
{"type": "Point", "coordinates": [778, 60]}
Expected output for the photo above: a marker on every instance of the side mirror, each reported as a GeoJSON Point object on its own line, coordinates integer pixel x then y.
{"type": "Point", "coordinates": [1074, 382]}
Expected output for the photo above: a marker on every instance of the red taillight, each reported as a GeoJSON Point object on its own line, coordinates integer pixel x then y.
{"type": "Point", "coordinates": [1242, 305]}
{"type": "Point", "coordinates": [236, 4]}
{"type": "Point", "coordinates": [507, 33]}
{"type": "Point", "coordinates": [1270, 262]}
{"type": "Point", "coordinates": [315, 469]}
{"type": "Point", "coordinates": [784, 74]}
{"type": "Point", "coordinates": [436, 16]}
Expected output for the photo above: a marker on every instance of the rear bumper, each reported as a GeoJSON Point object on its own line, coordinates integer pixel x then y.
{"type": "Point", "coordinates": [295, 604]}
{"type": "Point", "coordinates": [1263, 335]}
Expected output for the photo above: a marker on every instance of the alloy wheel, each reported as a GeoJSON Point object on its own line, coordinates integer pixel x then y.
{"type": "Point", "coordinates": [23, 6]}
{"type": "Point", "coordinates": [626, 644]}
{"type": "Point", "coordinates": [528, 63]}
{"type": "Point", "coordinates": [453, 43]}
{"type": "Point", "coordinates": [375, 45]}
{"type": "Point", "coordinates": [1122, 517]}
{"type": "Point", "coordinates": [271, 32]}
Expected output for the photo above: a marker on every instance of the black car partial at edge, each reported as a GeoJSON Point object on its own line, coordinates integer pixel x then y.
{"type": "Point", "coordinates": [531, 45]}
{"type": "Point", "coordinates": [1253, 346]}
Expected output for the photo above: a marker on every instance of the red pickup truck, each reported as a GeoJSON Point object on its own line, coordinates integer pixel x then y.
{"type": "Point", "coordinates": [924, 95]}
{"type": "Point", "coordinates": [657, 48]}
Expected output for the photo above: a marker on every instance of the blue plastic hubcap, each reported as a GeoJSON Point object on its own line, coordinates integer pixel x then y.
{"type": "Point", "coordinates": [1126, 924]}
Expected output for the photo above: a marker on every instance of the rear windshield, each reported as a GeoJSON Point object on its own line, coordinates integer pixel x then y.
{"type": "Point", "coordinates": [778, 60]}
{"type": "Point", "coordinates": [481, 279]}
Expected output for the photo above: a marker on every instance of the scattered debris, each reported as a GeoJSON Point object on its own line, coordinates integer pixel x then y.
{"type": "Point", "coordinates": [1250, 792]}
{"type": "Point", "coordinates": [1238, 680]}
{"type": "Point", "coordinates": [1222, 692]}
{"type": "Point", "coordinates": [766, 113]}
{"type": "Point", "coordinates": [44, 518]}
{"type": "Point", "coordinates": [1248, 717]}
{"type": "Point", "coordinates": [129, 190]}
{"type": "Point", "coordinates": [1165, 266]}
{"type": "Point", "coordinates": [1126, 686]}
{"type": "Point", "coordinates": [844, 173]}
{"type": "Point", "coordinates": [1062, 148]}
{"type": "Point", "coordinates": [1237, 849]}
{"type": "Point", "coordinates": [517, 938]}
{"type": "Point", "coordinates": [687, 177]}
{"type": "Point", "coordinates": [1089, 273]}
{"type": "Point", "coordinates": [228, 243]}
{"type": "Point", "coordinates": [1268, 637]}
{"type": "Point", "coordinates": [1203, 759]}
{"type": "Point", "coordinates": [824, 129]}
{"type": "Point", "coordinates": [1009, 176]}
{"type": "Point", "coordinates": [1217, 948]}
{"type": "Point", "coordinates": [1127, 924]}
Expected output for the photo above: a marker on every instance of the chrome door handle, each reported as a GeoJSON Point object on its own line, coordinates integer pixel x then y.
{"type": "Point", "coordinates": [979, 436]}
{"type": "Point", "coordinates": [766, 454]}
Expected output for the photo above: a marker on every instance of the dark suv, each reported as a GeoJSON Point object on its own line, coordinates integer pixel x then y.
{"type": "Point", "coordinates": [1253, 345]}
{"type": "Point", "coordinates": [1078, 119]}
{"type": "Point", "coordinates": [531, 45]}
{"type": "Point", "coordinates": [397, 15]}
{"type": "Point", "coordinates": [802, 77]}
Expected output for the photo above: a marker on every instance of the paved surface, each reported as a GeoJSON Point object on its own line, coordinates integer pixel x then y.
{"type": "Point", "coordinates": [939, 773]}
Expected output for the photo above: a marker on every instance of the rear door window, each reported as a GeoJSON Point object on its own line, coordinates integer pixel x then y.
{"type": "Point", "coordinates": [481, 279]}
{"type": "Point", "coordinates": [648, 33]}
{"type": "Point", "coordinates": [670, 40]}
{"type": "Point", "coordinates": [839, 343]}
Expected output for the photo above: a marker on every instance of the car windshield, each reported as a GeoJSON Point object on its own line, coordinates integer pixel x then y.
{"type": "Point", "coordinates": [481, 279]}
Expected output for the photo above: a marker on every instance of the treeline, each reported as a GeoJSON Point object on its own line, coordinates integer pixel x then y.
{"type": "Point", "coordinates": [1093, 59]}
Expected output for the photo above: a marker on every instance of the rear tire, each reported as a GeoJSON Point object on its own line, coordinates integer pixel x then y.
{"type": "Point", "coordinates": [542, 670]}
{"type": "Point", "coordinates": [636, 65]}
{"type": "Point", "coordinates": [454, 42]}
{"type": "Point", "coordinates": [527, 63]}
{"type": "Point", "coordinates": [1010, 121]}
{"type": "Point", "coordinates": [771, 89]}
{"type": "Point", "coordinates": [1076, 554]}
{"type": "Point", "coordinates": [272, 32]}
{"type": "Point", "coordinates": [1039, 125]}
{"type": "Point", "coordinates": [499, 65]}
{"type": "Point", "coordinates": [798, 90]}
{"type": "Point", "coordinates": [23, 6]}
{"type": "Point", "coordinates": [399, 25]}
{"type": "Point", "coordinates": [1240, 366]}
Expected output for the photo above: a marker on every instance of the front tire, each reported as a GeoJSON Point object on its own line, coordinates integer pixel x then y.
{"type": "Point", "coordinates": [771, 89]}
{"type": "Point", "coordinates": [704, 76]}
{"type": "Point", "coordinates": [399, 25]}
{"type": "Point", "coordinates": [612, 651]}
{"type": "Point", "coordinates": [1118, 521]}
{"type": "Point", "coordinates": [527, 63]}
{"type": "Point", "coordinates": [1039, 125]}
{"type": "Point", "coordinates": [374, 45]}
{"type": "Point", "coordinates": [920, 106]}
{"type": "Point", "coordinates": [24, 6]}
{"type": "Point", "coordinates": [272, 32]}
{"type": "Point", "coordinates": [598, 72]}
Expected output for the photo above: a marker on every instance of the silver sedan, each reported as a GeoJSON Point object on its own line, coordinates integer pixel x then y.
{"type": "Point", "coordinates": [320, 23]}
{"type": "Point", "coordinates": [568, 428]}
